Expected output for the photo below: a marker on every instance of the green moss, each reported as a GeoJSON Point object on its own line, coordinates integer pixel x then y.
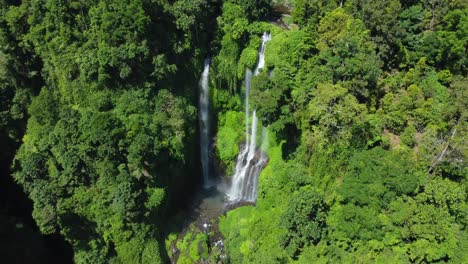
{"type": "Point", "coordinates": [193, 247]}
{"type": "Point", "coordinates": [184, 260]}
{"type": "Point", "coordinates": [199, 247]}
{"type": "Point", "coordinates": [182, 245]}
{"type": "Point", "coordinates": [168, 242]}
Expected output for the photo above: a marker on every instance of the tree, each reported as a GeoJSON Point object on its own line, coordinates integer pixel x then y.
{"type": "Point", "coordinates": [425, 226]}
{"type": "Point", "coordinates": [453, 41]}
{"type": "Point", "coordinates": [266, 98]}
{"type": "Point", "coordinates": [437, 10]}
{"type": "Point", "coordinates": [334, 113]}
{"type": "Point", "coordinates": [375, 178]}
{"type": "Point", "coordinates": [309, 12]}
{"type": "Point", "coordinates": [381, 18]}
{"type": "Point", "coordinates": [348, 53]}
{"type": "Point", "coordinates": [255, 10]}
{"type": "Point", "coordinates": [380, 179]}
{"type": "Point", "coordinates": [304, 221]}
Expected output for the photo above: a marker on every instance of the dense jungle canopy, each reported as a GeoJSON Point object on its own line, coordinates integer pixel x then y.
{"type": "Point", "coordinates": [365, 102]}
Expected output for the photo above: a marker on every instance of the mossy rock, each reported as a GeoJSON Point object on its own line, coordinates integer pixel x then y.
{"type": "Point", "coordinates": [193, 248]}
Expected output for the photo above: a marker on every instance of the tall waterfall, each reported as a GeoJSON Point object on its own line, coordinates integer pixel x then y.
{"type": "Point", "coordinates": [204, 118]}
{"type": "Point", "coordinates": [250, 160]}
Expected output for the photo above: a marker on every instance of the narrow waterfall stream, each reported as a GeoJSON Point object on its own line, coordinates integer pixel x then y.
{"type": "Point", "coordinates": [250, 160]}
{"type": "Point", "coordinates": [204, 117]}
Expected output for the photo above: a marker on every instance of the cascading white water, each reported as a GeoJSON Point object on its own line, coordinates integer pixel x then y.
{"type": "Point", "coordinates": [261, 54]}
{"type": "Point", "coordinates": [250, 161]}
{"type": "Point", "coordinates": [204, 119]}
{"type": "Point", "coordinates": [251, 185]}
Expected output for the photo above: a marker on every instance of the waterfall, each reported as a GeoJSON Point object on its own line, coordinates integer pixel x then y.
{"type": "Point", "coordinates": [250, 160]}
{"type": "Point", "coordinates": [261, 54]}
{"type": "Point", "coordinates": [204, 119]}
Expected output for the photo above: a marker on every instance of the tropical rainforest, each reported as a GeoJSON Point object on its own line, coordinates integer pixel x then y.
{"type": "Point", "coordinates": [365, 102]}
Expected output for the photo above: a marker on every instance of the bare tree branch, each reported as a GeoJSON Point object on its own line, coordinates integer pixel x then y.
{"type": "Point", "coordinates": [442, 154]}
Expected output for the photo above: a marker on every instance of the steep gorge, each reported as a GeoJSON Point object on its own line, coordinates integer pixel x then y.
{"type": "Point", "coordinates": [138, 149]}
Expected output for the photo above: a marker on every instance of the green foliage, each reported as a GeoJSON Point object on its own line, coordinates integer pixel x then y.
{"type": "Point", "coordinates": [365, 102]}
{"type": "Point", "coordinates": [110, 120]}
{"type": "Point", "coordinates": [309, 12]}
{"type": "Point", "coordinates": [304, 219]}
{"type": "Point", "coordinates": [230, 133]}
{"type": "Point", "coordinates": [236, 45]}
{"type": "Point", "coordinates": [452, 38]}
{"type": "Point", "coordinates": [378, 180]}
{"type": "Point", "coordinates": [408, 136]}
{"type": "Point", "coordinates": [429, 228]}
{"type": "Point", "coordinates": [266, 98]}
{"type": "Point", "coordinates": [348, 53]}
{"type": "Point", "coordinates": [252, 233]}
{"type": "Point", "coordinates": [171, 238]}
{"type": "Point", "coordinates": [381, 18]}
{"type": "Point", "coordinates": [419, 105]}
{"type": "Point", "coordinates": [234, 227]}
{"type": "Point", "coordinates": [374, 104]}
{"type": "Point", "coordinates": [248, 57]}
{"type": "Point", "coordinates": [234, 24]}
{"type": "Point", "coordinates": [374, 179]}
{"type": "Point", "coordinates": [155, 198]}
{"type": "Point", "coordinates": [193, 247]}
{"type": "Point", "coordinates": [150, 253]}
{"type": "Point", "coordinates": [255, 10]}
{"type": "Point", "coordinates": [80, 158]}
{"type": "Point", "coordinates": [224, 101]}
{"type": "Point", "coordinates": [334, 113]}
